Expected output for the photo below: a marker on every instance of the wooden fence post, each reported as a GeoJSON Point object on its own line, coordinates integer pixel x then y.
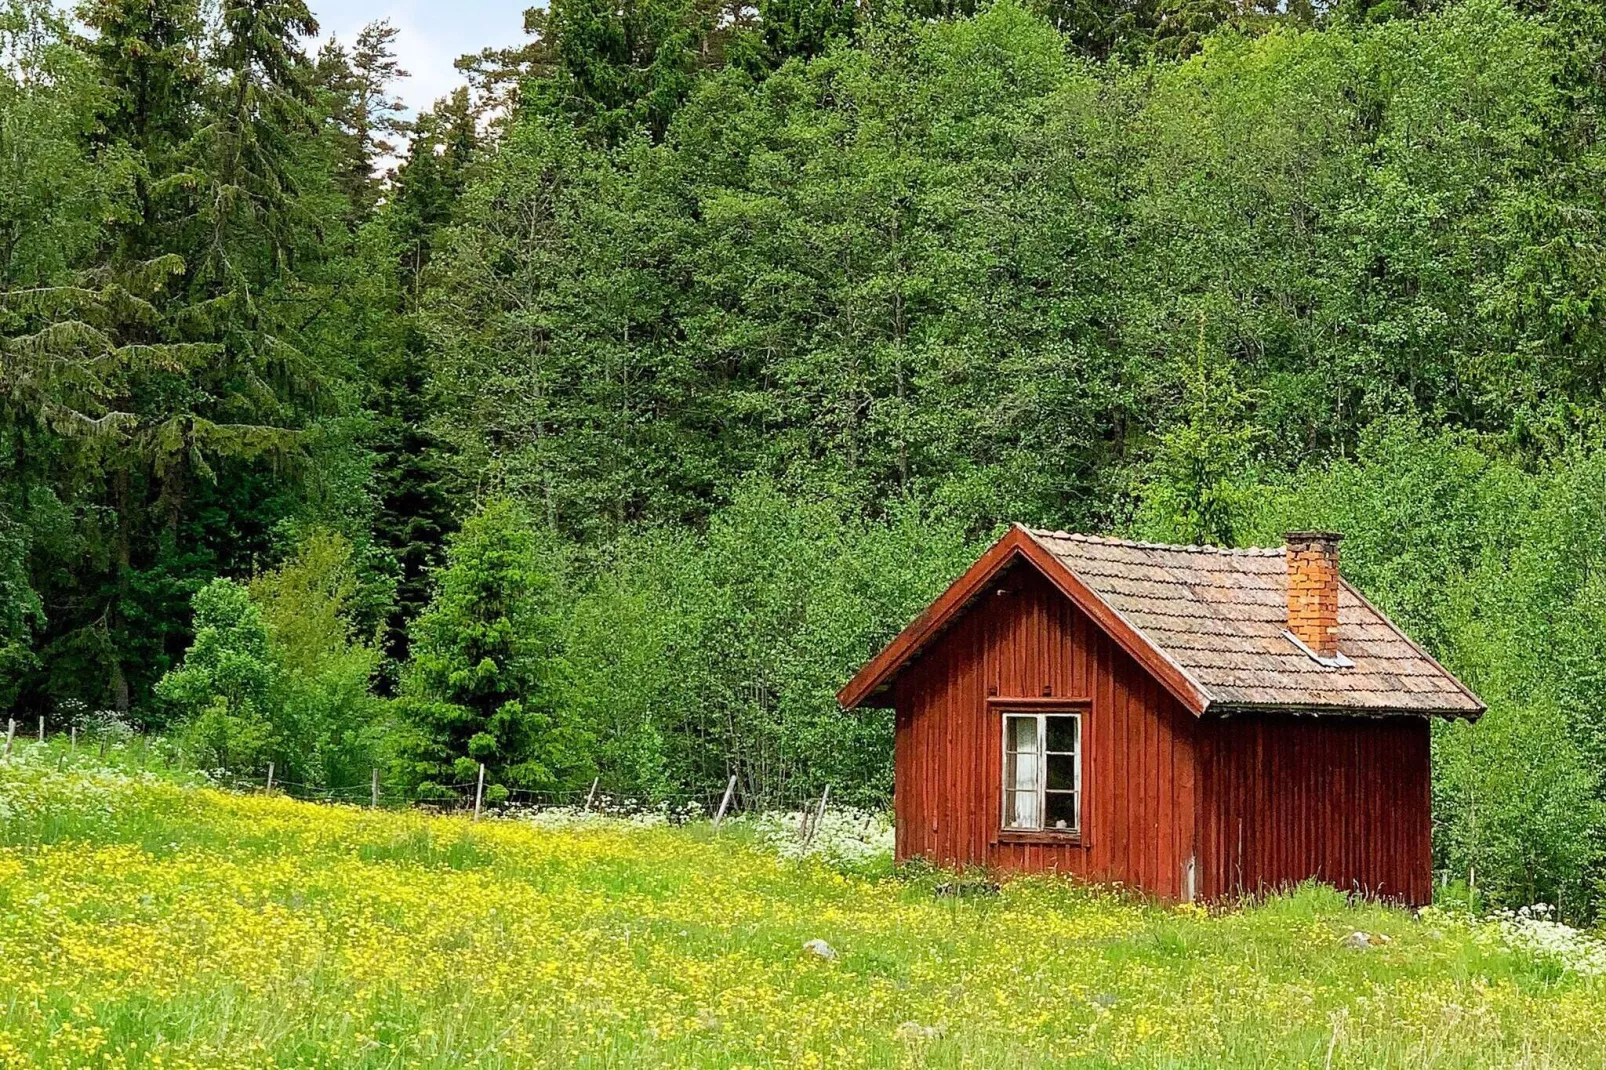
{"type": "Point", "coordinates": [11, 730]}
{"type": "Point", "coordinates": [479, 792]}
{"type": "Point", "coordinates": [724, 804]}
{"type": "Point", "coordinates": [269, 788]}
{"type": "Point", "coordinates": [819, 815]}
{"type": "Point", "coordinates": [41, 728]}
{"type": "Point", "coordinates": [590, 796]}
{"type": "Point", "coordinates": [373, 799]}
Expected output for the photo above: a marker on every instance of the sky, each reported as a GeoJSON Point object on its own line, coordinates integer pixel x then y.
{"type": "Point", "coordinates": [432, 36]}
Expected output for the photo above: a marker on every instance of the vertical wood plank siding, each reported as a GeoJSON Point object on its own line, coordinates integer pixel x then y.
{"type": "Point", "coordinates": [1343, 799]}
{"type": "Point", "coordinates": [1258, 802]}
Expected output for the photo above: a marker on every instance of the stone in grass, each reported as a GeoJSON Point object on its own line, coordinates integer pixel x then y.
{"type": "Point", "coordinates": [820, 947]}
{"type": "Point", "coordinates": [916, 1031]}
{"type": "Point", "coordinates": [1361, 941]}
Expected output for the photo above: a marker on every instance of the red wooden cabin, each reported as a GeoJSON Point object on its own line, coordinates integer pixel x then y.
{"type": "Point", "coordinates": [1189, 721]}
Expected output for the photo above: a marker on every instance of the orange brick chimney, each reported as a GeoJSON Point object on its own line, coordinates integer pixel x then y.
{"type": "Point", "coordinates": [1313, 589]}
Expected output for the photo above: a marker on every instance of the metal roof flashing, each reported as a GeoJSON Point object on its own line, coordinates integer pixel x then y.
{"type": "Point", "coordinates": [1337, 661]}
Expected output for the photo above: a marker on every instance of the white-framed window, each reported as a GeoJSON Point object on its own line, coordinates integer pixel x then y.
{"type": "Point", "coordinates": [1043, 772]}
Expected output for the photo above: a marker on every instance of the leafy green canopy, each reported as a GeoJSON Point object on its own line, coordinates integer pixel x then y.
{"type": "Point", "coordinates": [698, 656]}
{"type": "Point", "coordinates": [226, 686]}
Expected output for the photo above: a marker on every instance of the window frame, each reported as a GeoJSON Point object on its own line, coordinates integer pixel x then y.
{"type": "Point", "coordinates": [1041, 712]}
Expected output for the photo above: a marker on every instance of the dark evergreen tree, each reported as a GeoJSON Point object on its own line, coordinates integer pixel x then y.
{"type": "Point", "coordinates": [415, 511]}
{"type": "Point", "coordinates": [186, 377]}
{"type": "Point", "coordinates": [485, 681]}
{"type": "Point", "coordinates": [364, 111]}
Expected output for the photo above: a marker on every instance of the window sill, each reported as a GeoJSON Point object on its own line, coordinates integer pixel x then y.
{"type": "Point", "coordinates": [1045, 836]}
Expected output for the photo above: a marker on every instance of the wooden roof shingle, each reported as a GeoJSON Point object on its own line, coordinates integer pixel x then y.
{"type": "Point", "coordinates": [1221, 616]}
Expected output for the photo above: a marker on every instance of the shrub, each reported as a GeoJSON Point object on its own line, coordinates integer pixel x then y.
{"type": "Point", "coordinates": [224, 691]}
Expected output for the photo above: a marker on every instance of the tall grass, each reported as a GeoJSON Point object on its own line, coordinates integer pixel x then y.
{"type": "Point", "coordinates": [144, 923]}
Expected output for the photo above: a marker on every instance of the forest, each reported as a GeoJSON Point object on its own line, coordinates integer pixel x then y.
{"type": "Point", "coordinates": [595, 422]}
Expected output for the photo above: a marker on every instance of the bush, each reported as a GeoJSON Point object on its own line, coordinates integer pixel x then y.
{"type": "Point", "coordinates": [225, 689]}
{"type": "Point", "coordinates": [697, 656]}
{"type": "Point", "coordinates": [335, 726]}
{"type": "Point", "coordinates": [276, 674]}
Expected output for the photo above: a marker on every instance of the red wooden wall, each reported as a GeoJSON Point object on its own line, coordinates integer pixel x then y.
{"type": "Point", "coordinates": [1255, 802]}
{"type": "Point", "coordinates": [1343, 799]}
{"type": "Point", "coordinates": [1138, 779]}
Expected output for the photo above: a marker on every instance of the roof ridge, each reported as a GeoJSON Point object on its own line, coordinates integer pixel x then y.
{"type": "Point", "coordinates": [1104, 540]}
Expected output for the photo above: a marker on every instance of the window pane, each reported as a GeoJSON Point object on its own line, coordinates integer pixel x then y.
{"type": "Point", "coordinates": [1021, 810]}
{"type": "Point", "coordinates": [1062, 809]}
{"type": "Point", "coordinates": [1023, 773]}
{"type": "Point", "coordinates": [1021, 760]}
{"type": "Point", "coordinates": [1062, 772]}
{"type": "Point", "coordinates": [1020, 772]}
{"type": "Point", "coordinates": [1062, 733]}
{"type": "Point", "coordinates": [1022, 734]}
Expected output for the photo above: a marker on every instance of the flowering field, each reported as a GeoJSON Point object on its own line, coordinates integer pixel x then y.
{"type": "Point", "coordinates": [147, 924]}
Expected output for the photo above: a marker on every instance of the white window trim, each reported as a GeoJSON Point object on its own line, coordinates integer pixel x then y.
{"type": "Point", "coordinates": [1005, 791]}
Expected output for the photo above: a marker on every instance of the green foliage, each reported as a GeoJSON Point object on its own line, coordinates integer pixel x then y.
{"type": "Point", "coordinates": [21, 613]}
{"type": "Point", "coordinates": [226, 689]}
{"type": "Point", "coordinates": [1202, 471]}
{"type": "Point", "coordinates": [325, 668]}
{"type": "Point", "coordinates": [701, 656]}
{"type": "Point", "coordinates": [277, 673]}
{"type": "Point", "coordinates": [485, 681]}
{"type": "Point", "coordinates": [1520, 809]}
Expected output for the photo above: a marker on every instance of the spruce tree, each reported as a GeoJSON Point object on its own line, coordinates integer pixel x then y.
{"type": "Point", "coordinates": [176, 361]}
{"type": "Point", "coordinates": [415, 511]}
{"type": "Point", "coordinates": [364, 111]}
{"type": "Point", "coordinates": [485, 681]}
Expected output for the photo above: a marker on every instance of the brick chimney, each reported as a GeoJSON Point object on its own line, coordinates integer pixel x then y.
{"type": "Point", "coordinates": [1313, 589]}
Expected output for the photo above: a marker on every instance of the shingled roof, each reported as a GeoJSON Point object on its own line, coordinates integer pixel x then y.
{"type": "Point", "coordinates": [1212, 623]}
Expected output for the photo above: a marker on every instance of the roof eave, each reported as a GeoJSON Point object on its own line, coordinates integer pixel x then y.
{"type": "Point", "coordinates": [1229, 709]}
